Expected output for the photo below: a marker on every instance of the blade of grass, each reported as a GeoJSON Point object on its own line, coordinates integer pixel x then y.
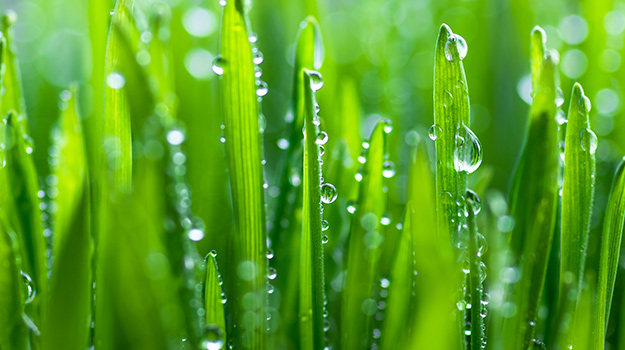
{"type": "Point", "coordinates": [13, 330]}
{"type": "Point", "coordinates": [477, 274]}
{"type": "Point", "coordinates": [358, 304]}
{"type": "Point", "coordinates": [533, 206]}
{"type": "Point", "coordinates": [213, 304]}
{"type": "Point", "coordinates": [67, 318]}
{"type": "Point", "coordinates": [613, 224]}
{"type": "Point", "coordinates": [577, 198]}
{"type": "Point", "coordinates": [13, 96]}
{"type": "Point", "coordinates": [244, 154]}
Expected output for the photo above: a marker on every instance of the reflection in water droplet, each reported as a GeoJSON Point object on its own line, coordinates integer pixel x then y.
{"type": "Point", "coordinates": [316, 80]}
{"type": "Point", "coordinates": [322, 138]}
{"type": "Point", "coordinates": [272, 273]}
{"type": "Point", "coordinates": [217, 66]}
{"type": "Point", "coordinates": [475, 201]}
{"type": "Point", "coordinates": [115, 80]}
{"type": "Point", "coordinates": [324, 225]}
{"type": "Point", "coordinates": [588, 140]}
{"type": "Point", "coordinates": [434, 131]}
{"type": "Point", "coordinates": [324, 239]}
{"type": "Point", "coordinates": [213, 338]}
{"type": "Point", "coordinates": [328, 193]}
{"type": "Point", "coordinates": [262, 89]}
{"type": "Point", "coordinates": [389, 169]}
{"type": "Point", "coordinates": [30, 287]}
{"type": "Point", "coordinates": [459, 43]}
{"type": "Point", "coordinates": [468, 151]}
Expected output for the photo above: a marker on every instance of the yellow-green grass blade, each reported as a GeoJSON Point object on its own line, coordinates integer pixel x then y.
{"type": "Point", "coordinates": [13, 96]}
{"type": "Point", "coordinates": [577, 197]}
{"type": "Point", "coordinates": [13, 330]}
{"type": "Point", "coordinates": [311, 286]}
{"type": "Point", "coordinates": [359, 305]}
{"type": "Point", "coordinates": [23, 210]}
{"type": "Point", "coordinates": [213, 304]}
{"type": "Point", "coordinates": [451, 116]}
{"type": "Point", "coordinates": [244, 154]}
{"type": "Point", "coordinates": [533, 206]}
{"type": "Point", "coordinates": [67, 317]}
{"type": "Point", "coordinates": [537, 54]}
{"type": "Point", "coordinates": [610, 251]}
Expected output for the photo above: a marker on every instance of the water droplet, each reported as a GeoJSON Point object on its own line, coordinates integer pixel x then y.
{"type": "Point", "coordinates": [460, 44]}
{"type": "Point", "coordinates": [258, 57]}
{"type": "Point", "coordinates": [388, 126]}
{"type": "Point", "coordinates": [175, 137]}
{"type": "Point", "coordinates": [365, 144]}
{"type": "Point", "coordinates": [271, 273]}
{"type": "Point", "coordinates": [112, 12]}
{"type": "Point", "coordinates": [269, 254]}
{"type": "Point", "coordinates": [217, 66]}
{"type": "Point", "coordinates": [559, 97]}
{"type": "Point", "coordinates": [222, 2]}
{"type": "Point", "coordinates": [434, 131]}
{"type": "Point", "coordinates": [467, 154]}
{"type": "Point", "coordinates": [213, 338]}
{"type": "Point", "coordinates": [328, 193]}
{"type": "Point", "coordinates": [561, 117]}
{"type": "Point", "coordinates": [584, 105]}
{"type": "Point", "coordinates": [482, 245]}
{"type": "Point", "coordinates": [324, 239]}
{"type": "Point", "coordinates": [351, 207]}
{"type": "Point", "coordinates": [115, 80]}
{"type": "Point", "coordinates": [30, 287]}
{"type": "Point", "coordinates": [262, 122]}
{"type": "Point", "coordinates": [326, 325]}
{"type": "Point", "coordinates": [213, 253]}
{"type": "Point", "coordinates": [322, 138]}
{"type": "Point", "coordinates": [322, 150]}
{"type": "Point", "coordinates": [196, 234]}
{"type": "Point", "coordinates": [324, 225]}
{"type": "Point", "coordinates": [252, 37]}
{"type": "Point", "coordinates": [588, 140]}
{"type": "Point", "coordinates": [316, 80]}
{"type": "Point", "coordinates": [475, 201]}
{"type": "Point", "coordinates": [389, 169]}
{"type": "Point", "coordinates": [262, 89]}
{"type": "Point", "coordinates": [448, 99]}
{"type": "Point", "coordinates": [386, 219]}
{"type": "Point", "coordinates": [362, 158]}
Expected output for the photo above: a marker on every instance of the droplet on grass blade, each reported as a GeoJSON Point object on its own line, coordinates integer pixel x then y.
{"type": "Point", "coordinates": [460, 44]}
{"type": "Point", "coordinates": [316, 81]}
{"type": "Point", "coordinates": [475, 201]}
{"type": "Point", "coordinates": [325, 225]}
{"type": "Point", "coordinates": [389, 169]}
{"type": "Point", "coordinates": [322, 138]}
{"type": "Point", "coordinates": [116, 80]}
{"type": "Point", "coordinates": [468, 151]}
{"type": "Point", "coordinates": [213, 338]}
{"type": "Point", "coordinates": [434, 131]}
{"type": "Point", "coordinates": [588, 140]}
{"type": "Point", "coordinates": [262, 89]}
{"type": "Point", "coordinates": [217, 66]}
{"type": "Point", "coordinates": [328, 193]}
{"type": "Point", "coordinates": [29, 287]}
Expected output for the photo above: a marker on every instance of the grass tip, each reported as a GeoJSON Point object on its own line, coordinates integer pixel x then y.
{"type": "Point", "coordinates": [9, 17]}
{"type": "Point", "coordinates": [539, 35]}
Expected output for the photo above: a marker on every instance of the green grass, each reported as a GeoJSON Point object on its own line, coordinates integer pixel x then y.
{"type": "Point", "coordinates": [140, 136]}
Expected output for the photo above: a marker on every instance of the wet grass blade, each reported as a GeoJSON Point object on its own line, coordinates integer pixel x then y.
{"type": "Point", "coordinates": [610, 251]}
{"type": "Point", "coordinates": [244, 155]}
{"type": "Point", "coordinates": [577, 198]}
{"type": "Point", "coordinates": [214, 304]}
{"type": "Point", "coordinates": [477, 274]}
{"type": "Point", "coordinates": [312, 295]}
{"type": "Point", "coordinates": [533, 206]}
{"type": "Point", "coordinates": [13, 96]}
{"type": "Point", "coordinates": [13, 330]}
{"type": "Point", "coordinates": [363, 250]}
{"type": "Point", "coordinates": [67, 317]}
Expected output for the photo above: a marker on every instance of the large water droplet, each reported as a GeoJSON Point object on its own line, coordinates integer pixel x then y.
{"type": "Point", "coordinates": [328, 193]}
{"type": "Point", "coordinates": [584, 105]}
{"type": "Point", "coordinates": [389, 169]}
{"type": "Point", "coordinates": [460, 44]}
{"type": "Point", "coordinates": [213, 338]}
{"type": "Point", "coordinates": [324, 225]}
{"type": "Point", "coordinates": [115, 80]}
{"type": "Point", "coordinates": [29, 287]}
{"type": "Point", "coordinates": [588, 140]}
{"type": "Point", "coordinates": [434, 131]}
{"type": "Point", "coordinates": [316, 80]}
{"type": "Point", "coordinates": [262, 89]}
{"type": "Point", "coordinates": [322, 138]}
{"type": "Point", "coordinates": [468, 151]}
{"type": "Point", "coordinates": [217, 66]}
{"type": "Point", "coordinates": [324, 239]}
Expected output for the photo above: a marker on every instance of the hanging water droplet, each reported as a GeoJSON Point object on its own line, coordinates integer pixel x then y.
{"type": "Point", "coordinates": [468, 151]}
{"type": "Point", "coordinates": [213, 253]}
{"type": "Point", "coordinates": [222, 2]}
{"type": "Point", "coordinates": [316, 80]}
{"type": "Point", "coordinates": [388, 126]}
{"type": "Point", "coordinates": [322, 138]}
{"type": "Point", "coordinates": [322, 150]}
{"type": "Point", "coordinates": [269, 253]}
{"type": "Point", "coordinates": [317, 109]}
{"type": "Point", "coordinates": [482, 245]}
{"type": "Point", "coordinates": [252, 37]}
{"type": "Point", "coordinates": [262, 89]}
{"type": "Point", "coordinates": [328, 193]}
{"type": "Point", "coordinates": [213, 338]}
{"type": "Point", "coordinates": [326, 325]}
{"type": "Point", "coordinates": [362, 158]}
{"type": "Point", "coordinates": [316, 120]}
{"type": "Point", "coordinates": [457, 41]}
{"type": "Point", "coordinates": [358, 175]}
{"type": "Point", "coordinates": [559, 97]}
{"type": "Point", "coordinates": [588, 140]}
{"type": "Point", "coordinates": [115, 80]}
{"type": "Point", "coordinates": [258, 72]}
{"type": "Point", "coordinates": [272, 273]}
{"type": "Point", "coordinates": [561, 117]}
{"type": "Point", "coordinates": [217, 65]}
{"type": "Point", "coordinates": [324, 239]}
{"type": "Point", "coordinates": [29, 286]}
{"type": "Point", "coordinates": [434, 131]}
{"type": "Point", "coordinates": [482, 269]}
{"type": "Point", "coordinates": [324, 225]}
{"type": "Point", "coordinates": [448, 99]}
{"type": "Point", "coordinates": [351, 207]}
{"type": "Point", "coordinates": [365, 144]}
{"type": "Point", "coordinates": [584, 105]}
{"type": "Point", "coordinates": [475, 201]}
{"type": "Point", "coordinates": [389, 169]}
{"type": "Point", "coordinates": [258, 57]}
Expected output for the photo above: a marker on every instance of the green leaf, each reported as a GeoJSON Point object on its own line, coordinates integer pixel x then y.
{"type": "Point", "coordinates": [13, 330]}
{"type": "Point", "coordinates": [611, 237]}
{"type": "Point", "coordinates": [213, 302]}
{"type": "Point", "coordinates": [577, 198]}
{"type": "Point", "coordinates": [477, 274]}
{"type": "Point", "coordinates": [13, 96]}
{"type": "Point", "coordinates": [363, 250]}
{"type": "Point", "coordinates": [533, 206]}
{"type": "Point", "coordinates": [244, 154]}
{"type": "Point", "coordinates": [311, 288]}
{"type": "Point", "coordinates": [67, 318]}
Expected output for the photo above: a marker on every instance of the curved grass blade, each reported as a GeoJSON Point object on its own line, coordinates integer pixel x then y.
{"type": "Point", "coordinates": [363, 251]}
{"type": "Point", "coordinates": [67, 317]}
{"type": "Point", "coordinates": [533, 207]}
{"type": "Point", "coordinates": [311, 295]}
{"type": "Point", "coordinates": [24, 212]}
{"type": "Point", "coordinates": [13, 330]}
{"type": "Point", "coordinates": [577, 197]}
{"type": "Point", "coordinates": [451, 115]}
{"type": "Point", "coordinates": [13, 96]}
{"type": "Point", "coordinates": [611, 237]}
{"type": "Point", "coordinates": [244, 155]}
{"type": "Point", "coordinates": [213, 304]}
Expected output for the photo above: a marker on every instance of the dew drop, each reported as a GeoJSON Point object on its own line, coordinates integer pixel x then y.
{"type": "Point", "coordinates": [475, 201]}
{"type": "Point", "coordinates": [322, 138]}
{"type": "Point", "coordinates": [559, 97]}
{"type": "Point", "coordinates": [271, 273]}
{"type": "Point", "coordinates": [269, 254]}
{"type": "Point", "coordinates": [468, 151]}
{"type": "Point", "coordinates": [262, 89]}
{"type": "Point", "coordinates": [351, 207]}
{"type": "Point", "coordinates": [388, 126]}
{"type": "Point", "coordinates": [252, 37]}
{"type": "Point", "coordinates": [328, 193]}
{"type": "Point", "coordinates": [283, 143]}
{"type": "Point", "coordinates": [561, 117]}
{"type": "Point", "coordinates": [115, 80]}
{"type": "Point", "coordinates": [324, 225]}
{"type": "Point", "coordinates": [262, 122]}
{"type": "Point", "coordinates": [324, 239]}
{"type": "Point", "coordinates": [217, 65]}
{"type": "Point", "coordinates": [213, 338]}
{"type": "Point", "coordinates": [584, 105]}
{"type": "Point", "coordinates": [434, 131]}
{"type": "Point", "coordinates": [258, 72]}
{"type": "Point", "coordinates": [386, 219]}
{"type": "Point", "coordinates": [448, 99]}
{"type": "Point", "coordinates": [322, 150]}
{"type": "Point", "coordinates": [29, 286]}
{"type": "Point", "coordinates": [460, 44]}
{"type": "Point", "coordinates": [362, 158]}
{"type": "Point", "coordinates": [258, 57]}
{"type": "Point", "coordinates": [316, 80]}
{"type": "Point", "coordinates": [588, 140]}
{"type": "Point", "coordinates": [175, 137]}
{"type": "Point", "coordinates": [389, 169]}
{"type": "Point", "coordinates": [222, 2]}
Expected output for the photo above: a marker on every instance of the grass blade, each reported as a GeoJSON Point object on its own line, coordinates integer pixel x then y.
{"type": "Point", "coordinates": [13, 96]}
{"type": "Point", "coordinates": [13, 330]}
{"type": "Point", "coordinates": [577, 198]}
{"type": "Point", "coordinates": [244, 155]}
{"type": "Point", "coordinates": [613, 224]}
{"type": "Point", "coordinates": [533, 207]}
{"type": "Point", "coordinates": [363, 246]}
{"type": "Point", "coordinates": [214, 305]}
{"type": "Point", "coordinates": [477, 274]}
{"type": "Point", "coordinates": [67, 318]}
